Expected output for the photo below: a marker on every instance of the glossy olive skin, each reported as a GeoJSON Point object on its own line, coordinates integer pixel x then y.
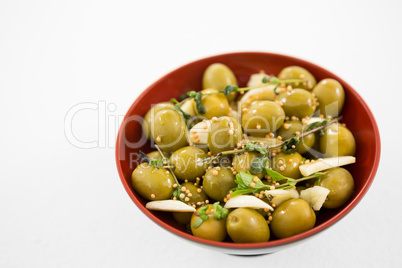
{"type": "Point", "coordinates": [218, 76]}
{"type": "Point", "coordinates": [297, 72]}
{"type": "Point", "coordinates": [337, 141]}
{"type": "Point", "coordinates": [298, 102]}
{"type": "Point", "coordinates": [155, 155]}
{"type": "Point", "coordinates": [188, 163]}
{"type": "Point", "coordinates": [258, 94]}
{"type": "Point", "coordinates": [169, 131]}
{"type": "Point", "coordinates": [290, 164]}
{"type": "Point", "coordinates": [341, 185]}
{"type": "Point", "coordinates": [147, 180]}
{"type": "Point", "coordinates": [243, 162]}
{"type": "Point", "coordinates": [148, 121]}
{"type": "Point", "coordinates": [292, 217]}
{"type": "Point", "coordinates": [331, 97]}
{"type": "Point", "coordinates": [217, 186]}
{"type": "Point", "coordinates": [224, 134]}
{"type": "Point", "coordinates": [306, 143]}
{"type": "Point", "coordinates": [215, 105]}
{"type": "Point", "coordinates": [245, 225]}
{"type": "Point", "coordinates": [262, 117]}
{"type": "Point", "coordinates": [185, 217]}
{"type": "Point", "coordinates": [211, 229]}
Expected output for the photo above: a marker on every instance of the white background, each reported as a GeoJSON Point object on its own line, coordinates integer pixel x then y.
{"type": "Point", "coordinates": [64, 206]}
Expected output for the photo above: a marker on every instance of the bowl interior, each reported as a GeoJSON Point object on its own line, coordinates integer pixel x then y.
{"type": "Point", "coordinates": [356, 115]}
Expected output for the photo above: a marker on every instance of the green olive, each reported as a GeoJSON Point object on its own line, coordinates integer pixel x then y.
{"type": "Point", "coordinates": [211, 229]}
{"type": "Point", "coordinates": [297, 102]}
{"type": "Point", "coordinates": [287, 164]}
{"type": "Point", "coordinates": [155, 155]}
{"type": "Point", "coordinates": [337, 141]}
{"type": "Point", "coordinates": [289, 128]}
{"type": "Point", "coordinates": [292, 217]}
{"type": "Point", "coordinates": [262, 117]}
{"type": "Point", "coordinates": [197, 196]}
{"type": "Point", "coordinates": [225, 132]}
{"type": "Point", "coordinates": [245, 225]}
{"type": "Point", "coordinates": [297, 72]}
{"type": "Point", "coordinates": [152, 183]}
{"type": "Point", "coordinates": [148, 120]}
{"type": "Point", "coordinates": [340, 183]}
{"type": "Point", "coordinates": [188, 163]}
{"type": "Point", "coordinates": [243, 162]}
{"type": "Point", "coordinates": [217, 182]}
{"type": "Point", "coordinates": [330, 96]}
{"type": "Point", "coordinates": [215, 104]}
{"type": "Point", "coordinates": [218, 76]}
{"type": "Point", "coordinates": [169, 131]}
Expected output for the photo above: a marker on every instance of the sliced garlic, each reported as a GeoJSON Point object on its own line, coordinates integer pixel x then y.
{"type": "Point", "coordinates": [247, 201]}
{"type": "Point", "coordinates": [315, 196]}
{"type": "Point", "coordinates": [325, 163]}
{"type": "Point", "coordinates": [314, 119]}
{"type": "Point", "coordinates": [199, 133]}
{"type": "Point", "coordinates": [279, 196]}
{"type": "Point", "coordinates": [169, 205]}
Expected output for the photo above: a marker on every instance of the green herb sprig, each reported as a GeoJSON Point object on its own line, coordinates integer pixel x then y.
{"type": "Point", "coordinates": [247, 183]}
{"type": "Point", "coordinates": [219, 213]}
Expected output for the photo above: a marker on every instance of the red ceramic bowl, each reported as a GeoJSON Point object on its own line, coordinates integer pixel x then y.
{"type": "Point", "coordinates": [356, 115]}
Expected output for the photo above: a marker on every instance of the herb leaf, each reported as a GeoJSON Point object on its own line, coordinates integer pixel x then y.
{"type": "Point", "coordinates": [229, 89]}
{"type": "Point", "coordinates": [289, 146]}
{"type": "Point", "coordinates": [244, 180]}
{"type": "Point", "coordinates": [254, 146]}
{"type": "Point", "coordinates": [317, 124]}
{"type": "Point", "coordinates": [197, 223]}
{"type": "Point", "coordinates": [144, 157]}
{"type": "Point", "coordinates": [197, 99]}
{"type": "Point", "coordinates": [275, 176]}
{"type": "Point", "coordinates": [202, 216]}
{"type": "Point", "coordinates": [258, 164]}
{"type": "Point", "coordinates": [219, 211]}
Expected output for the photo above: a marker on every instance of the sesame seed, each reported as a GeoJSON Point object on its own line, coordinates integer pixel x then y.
{"type": "Point", "coordinates": [186, 199]}
{"type": "Point", "coordinates": [255, 179]}
{"type": "Point", "coordinates": [182, 196]}
{"type": "Point", "coordinates": [199, 190]}
{"type": "Point", "coordinates": [215, 172]}
{"type": "Point", "coordinates": [158, 139]}
{"type": "Point", "coordinates": [252, 185]}
{"type": "Point", "coordinates": [153, 196]}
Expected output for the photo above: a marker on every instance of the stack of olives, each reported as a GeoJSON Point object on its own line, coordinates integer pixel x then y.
{"type": "Point", "coordinates": [212, 141]}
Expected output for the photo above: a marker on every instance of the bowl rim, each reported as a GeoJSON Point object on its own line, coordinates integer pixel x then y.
{"type": "Point", "coordinates": [275, 243]}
